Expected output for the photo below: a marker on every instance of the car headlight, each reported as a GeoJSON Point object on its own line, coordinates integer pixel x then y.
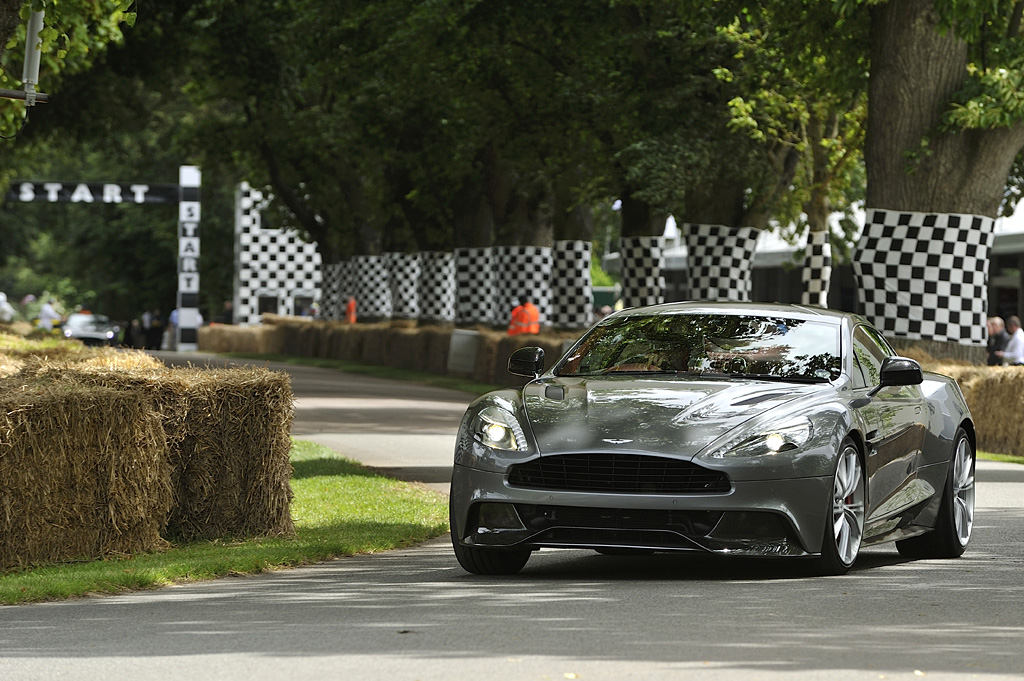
{"type": "Point", "coordinates": [768, 441]}
{"type": "Point", "coordinates": [497, 428]}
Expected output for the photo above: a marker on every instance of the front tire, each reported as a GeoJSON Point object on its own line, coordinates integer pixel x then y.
{"type": "Point", "coordinates": [953, 527]}
{"type": "Point", "coordinates": [844, 526]}
{"type": "Point", "coordinates": [490, 561]}
{"type": "Point", "coordinates": [487, 561]}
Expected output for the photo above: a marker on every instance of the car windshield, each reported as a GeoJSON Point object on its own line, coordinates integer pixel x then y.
{"type": "Point", "coordinates": [767, 347]}
{"type": "Point", "coordinates": [87, 321]}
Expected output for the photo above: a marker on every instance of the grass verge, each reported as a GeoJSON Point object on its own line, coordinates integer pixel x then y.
{"type": "Point", "coordinates": [1006, 458]}
{"type": "Point", "coordinates": [340, 509]}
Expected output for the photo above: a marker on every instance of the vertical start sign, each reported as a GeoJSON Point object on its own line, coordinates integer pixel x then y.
{"type": "Point", "coordinates": [187, 329]}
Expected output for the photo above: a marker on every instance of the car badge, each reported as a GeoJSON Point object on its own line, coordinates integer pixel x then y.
{"type": "Point", "coordinates": [615, 441]}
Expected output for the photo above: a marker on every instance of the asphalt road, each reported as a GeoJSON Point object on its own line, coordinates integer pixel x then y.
{"type": "Point", "coordinates": [414, 614]}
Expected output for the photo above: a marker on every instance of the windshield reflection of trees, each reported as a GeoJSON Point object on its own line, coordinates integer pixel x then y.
{"type": "Point", "coordinates": [708, 344]}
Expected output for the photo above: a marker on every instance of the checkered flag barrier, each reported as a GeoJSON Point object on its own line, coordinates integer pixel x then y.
{"type": "Point", "coordinates": [404, 283]}
{"type": "Point", "coordinates": [370, 286]}
{"type": "Point", "coordinates": [269, 263]}
{"type": "Point", "coordinates": [925, 275]}
{"type": "Point", "coordinates": [817, 271]}
{"type": "Point", "coordinates": [719, 261]}
{"type": "Point", "coordinates": [330, 300]}
{"type": "Point", "coordinates": [521, 270]}
{"type": "Point", "coordinates": [643, 259]}
{"type": "Point", "coordinates": [437, 286]}
{"type": "Point", "coordinates": [572, 293]}
{"type": "Point", "coordinates": [474, 285]}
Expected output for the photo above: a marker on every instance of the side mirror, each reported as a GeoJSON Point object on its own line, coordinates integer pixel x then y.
{"type": "Point", "coordinates": [898, 371]}
{"type": "Point", "coordinates": [527, 362]}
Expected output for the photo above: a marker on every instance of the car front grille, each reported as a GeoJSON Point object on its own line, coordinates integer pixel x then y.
{"type": "Point", "coordinates": [577, 521]}
{"type": "Point", "coordinates": [617, 474]}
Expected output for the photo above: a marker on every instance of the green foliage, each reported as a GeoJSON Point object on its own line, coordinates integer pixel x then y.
{"type": "Point", "coordinates": [598, 276]}
{"type": "Point", "coordinates": [75, 34]}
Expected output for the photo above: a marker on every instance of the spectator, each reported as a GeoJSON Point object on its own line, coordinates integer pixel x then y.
{"type": "Point", "coordinates": [134, 336]}
{"type": "Point", "coordinates": [227, 315]}
{"type": "Point", "coordinates": [997, 340]}
{"type": "Point", "coordinates": [525, 318]}
{"type": "Point", "coordinates": [350, 310]}
{"type": "Point", "coordinates": [154, 330]}
{"type": "Point", "coordinates": [7, 312]}
{"type": "Point", "coordinates": [1013, 353]}
{"type": "Point", "coordinates": [47, 316]}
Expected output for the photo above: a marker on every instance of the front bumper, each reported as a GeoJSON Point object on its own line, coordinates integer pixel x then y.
{"type": "Point", "coordinates": [756, 518]}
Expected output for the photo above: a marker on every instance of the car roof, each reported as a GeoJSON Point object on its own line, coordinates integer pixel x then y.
{"type": "Point", "coordinates": [807, 312]}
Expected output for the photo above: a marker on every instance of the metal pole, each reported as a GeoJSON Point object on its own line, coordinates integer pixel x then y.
{"type": "Point", "coordinates": [30, 74]}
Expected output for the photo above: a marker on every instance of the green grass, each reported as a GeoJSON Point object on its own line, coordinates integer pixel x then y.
{"type": "Point", "coordinates": [1007, 458]}
{"type": "Point", "coordinates": [340, 509]}
{"type": "Point", "coordinates": [422, 377]}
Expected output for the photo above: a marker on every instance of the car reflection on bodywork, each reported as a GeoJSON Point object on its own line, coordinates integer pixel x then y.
{"type": "Point", "coordinates": [91, 329]}
{"type": "Point", "coordinates": [735, 429]}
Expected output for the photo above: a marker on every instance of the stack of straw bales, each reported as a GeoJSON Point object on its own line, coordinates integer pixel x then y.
{"type": "Point", "coordinates": [113, 453]}
{"type": "Point", "coordinates": [398, 344]}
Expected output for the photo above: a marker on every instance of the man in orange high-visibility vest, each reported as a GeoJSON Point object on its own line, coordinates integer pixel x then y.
{"type": "Point", "coordinates": [525, 318]}
{"type": "Point", "coordinates": [350, 310]}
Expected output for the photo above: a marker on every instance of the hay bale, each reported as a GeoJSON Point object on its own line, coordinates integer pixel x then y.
{"type": "Point", "coordinates": [227, 443]}
{"type": "Point", "coordinates": [375, 344]}
{"type": "Point", "coordinates": [405, 348]}
{"type": "Point", "coordinates": [995, 396]}
{"type": "Point", "coordinates": [225, 338]}
{"type": "Point", "coordinates": [433, 355]}
{"type": "Point", "coordinates": [82, 474]}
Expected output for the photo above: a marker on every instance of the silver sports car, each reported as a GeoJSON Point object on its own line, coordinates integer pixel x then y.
{"type": "Point", "coordinates": [736, 429]}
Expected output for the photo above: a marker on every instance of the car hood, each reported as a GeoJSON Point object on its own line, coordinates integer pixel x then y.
{"type": "Point", "coordinates": [652, 414]}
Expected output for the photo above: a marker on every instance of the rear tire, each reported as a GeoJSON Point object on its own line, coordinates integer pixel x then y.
{"type": "Point", "coordinates": [953, 527]}
{"type": "Point", "coordinates": [844, 519]}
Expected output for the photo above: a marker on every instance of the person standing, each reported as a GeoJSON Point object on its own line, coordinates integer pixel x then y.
{"type": "Point", "coordinates": [350, 310]}
{"type": "Point", "coordinates": [525, 318]}
{"type": "Point", "coordinates": [997, 340]}
{"type": "Point", "coordinates": [155, 330]}
{"type": "Point", "coordinates": [48, 315]}
{"type": "Point", "coordinates": [7, 312]}
{"type": "Point", "coordinates": [1013, 353]}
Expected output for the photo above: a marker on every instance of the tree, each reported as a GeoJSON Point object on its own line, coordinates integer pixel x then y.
{"type": "Point", "coordinates": [952, 125]}
{"type": "Point", "coordinates": [75, 33]}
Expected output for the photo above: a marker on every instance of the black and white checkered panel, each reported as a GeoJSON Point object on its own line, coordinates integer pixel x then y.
{"type": "Point", "coordinates": [271, 263]}
{"type": "Point", "coordinates": [925, 275]}
{"type": "Point", "coordinates": [572, 292]}
{"type": "Point", "coordinates": [370, 286]}
{"type": "Point", "coordinates": [474, 285]}
{"type": "Point", "coordinates": [521, 270]}
{"type": "Point", "coordinates": [643, 260]}
{"type": "Point", "coordinates": [719, 261]}
{"type": "Point", "coordinates": [404, 284]}
{"type": "Point", "coordinates": [247, 226]}
{"type": "Point", "coordinates": [437, 286]}
{"type": "Point", "coordinates": [330, 294]}
{"type": "Point", "coordinates": [817, 272]}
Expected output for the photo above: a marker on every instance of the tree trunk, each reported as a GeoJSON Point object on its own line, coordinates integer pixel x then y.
{"type": "Point", "coordinates": [817, 208]}
{"type": "Point", "coordinates": [638, 219]}
{"type": "Point", "coordinates": [912, 165]}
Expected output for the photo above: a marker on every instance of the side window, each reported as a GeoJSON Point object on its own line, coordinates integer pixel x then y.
{"type": "Point", "coordinates": [869, 349]}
